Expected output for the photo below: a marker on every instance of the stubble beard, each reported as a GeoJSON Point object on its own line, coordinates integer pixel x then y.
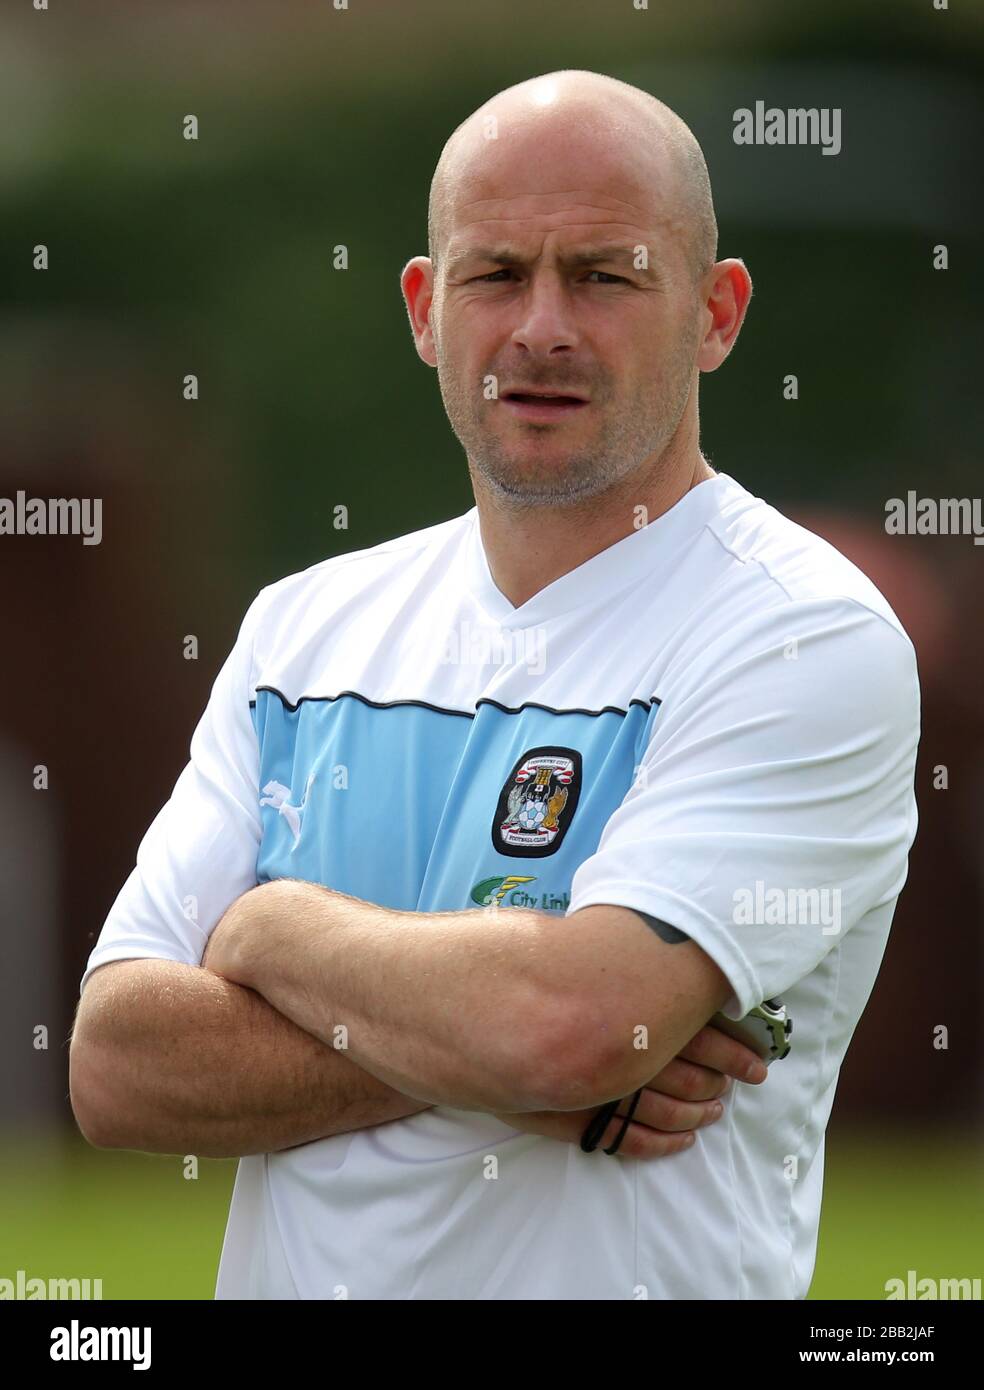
{"type": "Point", "coordinates": [629, 436]}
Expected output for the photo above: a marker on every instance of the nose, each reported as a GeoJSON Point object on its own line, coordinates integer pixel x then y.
{"type": "Point", "coordinates": [546, 316]}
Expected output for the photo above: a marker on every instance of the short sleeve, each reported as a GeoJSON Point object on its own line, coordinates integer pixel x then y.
{"type": "Point", "coordinates": [200, 852]}
{"type": "Point", "coordinates": [774, 804]}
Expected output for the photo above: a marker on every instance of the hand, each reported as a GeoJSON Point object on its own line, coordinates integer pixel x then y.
{"type": "Point", "coordinates": [678, 1100]}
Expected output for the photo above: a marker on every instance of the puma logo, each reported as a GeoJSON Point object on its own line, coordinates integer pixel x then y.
{"type": "Point", "coordinates": [276, 795]}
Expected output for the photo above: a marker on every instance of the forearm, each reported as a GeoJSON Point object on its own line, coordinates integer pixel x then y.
{"type": "Point", "coordinates": [171, 1058]}
{"type": "Point", "coordinates": [506, 1011]}
{"type": "Point", "coordinates": [462, 1009]}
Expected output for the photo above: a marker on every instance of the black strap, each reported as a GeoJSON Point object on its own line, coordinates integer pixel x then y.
{"type": "Point", "coordinates": [598, 1123]}
{"type": "Point", "coordinates": [596, 1126]}
{"type": "Point", "coordinates": [626, 1120]}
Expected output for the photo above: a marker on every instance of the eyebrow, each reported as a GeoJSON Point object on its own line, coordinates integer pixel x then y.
{"type": "Point", "coordinates": [588, 255]}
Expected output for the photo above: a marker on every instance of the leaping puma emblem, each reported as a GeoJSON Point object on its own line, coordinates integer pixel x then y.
{"type": "Point", "coordinates": [276, 795]}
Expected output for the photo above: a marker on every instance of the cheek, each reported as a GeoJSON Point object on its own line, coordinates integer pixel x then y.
{"type": "Point", "coordinates": [632, 341]}
{"type": "Point", "coordinates": [467, 334]}
{"type": "Point", "coordinates": [664, 343]}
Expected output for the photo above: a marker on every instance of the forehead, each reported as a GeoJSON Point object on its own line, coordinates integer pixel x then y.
{"type": "Point", "coordinates": [574, 181]}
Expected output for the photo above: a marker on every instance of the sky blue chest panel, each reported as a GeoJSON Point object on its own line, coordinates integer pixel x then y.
{"type": "Point", "coordinates": [427, 810]}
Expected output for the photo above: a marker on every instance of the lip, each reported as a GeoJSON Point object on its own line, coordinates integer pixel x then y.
{"type": "Point", "coordinates": [543, 407]}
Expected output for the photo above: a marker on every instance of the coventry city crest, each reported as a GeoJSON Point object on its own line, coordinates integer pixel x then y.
{"type": "Point", "coordinates": [537, 803]}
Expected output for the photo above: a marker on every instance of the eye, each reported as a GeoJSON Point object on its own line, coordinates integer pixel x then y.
{"type": "Point", "coordinates": [609, 279]}
{"type": "Point", "coordinates": [490, 277]}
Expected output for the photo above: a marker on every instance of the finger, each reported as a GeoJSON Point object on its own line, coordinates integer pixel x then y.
{"type": "Point", "coordinates": [712, 1048]}
{"type": "Point", "coordinates": [642, 1142]}
{"type": "Point", "coordinates": [667, 1113]}
{"type": "Point", "coordinates": [688, 1081]}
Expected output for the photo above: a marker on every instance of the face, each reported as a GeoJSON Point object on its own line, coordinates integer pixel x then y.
{"type": "Point", "coordinates": [565, 319]}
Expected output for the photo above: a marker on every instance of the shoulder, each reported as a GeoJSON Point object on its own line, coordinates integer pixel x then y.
{"type": "Point", "coordinates": [781, 590]}
{"type": "Point", "coordinates": [770, 556]}
{"type": "Point", "coordinates": [289, 614]}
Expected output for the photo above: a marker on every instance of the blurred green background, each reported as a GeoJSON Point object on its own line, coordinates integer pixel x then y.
{"type": "Point", "coordinates": [893, 1202]}
{"type": "Point", "coordinates": [318, 128]}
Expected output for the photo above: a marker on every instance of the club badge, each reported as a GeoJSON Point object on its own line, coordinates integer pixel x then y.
{"type": "Point", "coordinates": [537, 803]}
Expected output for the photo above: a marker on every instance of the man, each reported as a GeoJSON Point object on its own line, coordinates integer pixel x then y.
{"type": "Point", "coordinates": [484, 825]}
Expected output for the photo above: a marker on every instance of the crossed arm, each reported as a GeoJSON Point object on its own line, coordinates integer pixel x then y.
{"type": "Point", "coordinates": [472, 1008]}
{"type": "Point", "coordinates": [488, 1010]}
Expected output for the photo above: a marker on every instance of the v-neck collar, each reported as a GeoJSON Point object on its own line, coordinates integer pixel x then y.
{"type": "Point", "coordinates": [604, 574]}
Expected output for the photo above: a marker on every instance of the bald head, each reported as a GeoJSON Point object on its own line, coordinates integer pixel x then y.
{"type": "Point", "coordinates": [596, 129]}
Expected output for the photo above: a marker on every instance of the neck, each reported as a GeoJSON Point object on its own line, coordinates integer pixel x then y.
{"type": "Point", "coordinates": [527, 548]}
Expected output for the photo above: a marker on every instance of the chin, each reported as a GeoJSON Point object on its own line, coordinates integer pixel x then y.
{"type": "Point", "coordinates": [541, 485]}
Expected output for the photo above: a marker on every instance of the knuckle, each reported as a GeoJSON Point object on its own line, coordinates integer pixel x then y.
{"type": "Point", "coordinates": [632, 1145]}
{"type": "Point", "coordinates": [695, 1081]}
{"type": "Point", "coordinates": [701, 1044]}
{"type": "Point", "coordinates": [672, 1113]}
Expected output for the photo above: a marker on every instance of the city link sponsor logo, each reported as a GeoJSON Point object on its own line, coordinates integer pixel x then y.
{"type": "Point", "coordinates": [22, 1287]}
{"type": "Point", "coordinates": [494, 892]}
{"type": "Point", "coordinates": [932, 516]}
{"type": "Point", "coordinates": [938, 1289]}
{"type": "Point", "coordinates": [771, 907]}
{"type": "Point", "coordinates": [78, 1343]}
{"type": "Point", "coordinates": [52, 516]}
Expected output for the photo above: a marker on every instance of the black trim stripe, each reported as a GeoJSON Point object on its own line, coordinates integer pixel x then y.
{"type": "Point", "coordinates": [440, 709]}
{"type": "Point", "coordinates": [533, 704]}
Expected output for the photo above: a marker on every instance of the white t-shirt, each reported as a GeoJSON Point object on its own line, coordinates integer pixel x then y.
{"type": "Point", "coordinates": [713, 721]}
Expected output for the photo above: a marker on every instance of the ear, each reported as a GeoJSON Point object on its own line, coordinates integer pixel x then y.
{"type": "Point", "coordinates": [725, 292]}
{"type": "Point", "coordinates": [417, 284]}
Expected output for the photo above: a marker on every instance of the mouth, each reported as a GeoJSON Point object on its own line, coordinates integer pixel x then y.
{"type": "Point", "coordinates": [543, 406]}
